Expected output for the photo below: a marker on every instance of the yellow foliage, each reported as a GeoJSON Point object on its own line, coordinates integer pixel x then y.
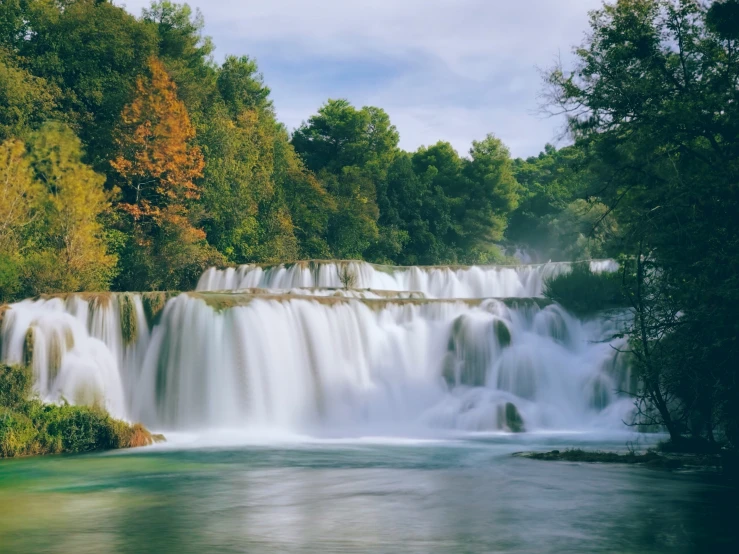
{"type": "Point", "coordinates": [19, 194]}
{"type": "Point", "coordinates": [75, 199]}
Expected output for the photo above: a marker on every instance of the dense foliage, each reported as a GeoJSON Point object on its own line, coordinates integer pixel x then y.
{"type": "Point", "coordinates": [652, 102]}
{"type": "Point", "coordinates": [585, 292]}
{"type": "Point", "coordinates": [130, 159]}
{"type": "Point", "coordinates": [29, 427]}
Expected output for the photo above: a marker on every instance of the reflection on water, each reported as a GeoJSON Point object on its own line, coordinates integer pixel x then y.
{"type": "Point", "coordinates": [461, 496]}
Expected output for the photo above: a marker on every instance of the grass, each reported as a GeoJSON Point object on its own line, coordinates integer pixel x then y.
{"type": "Point", "coordinates": [29, 427]}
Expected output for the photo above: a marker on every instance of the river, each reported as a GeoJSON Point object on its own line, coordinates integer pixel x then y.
{"type": "Point", "coordinates": [455, 495]}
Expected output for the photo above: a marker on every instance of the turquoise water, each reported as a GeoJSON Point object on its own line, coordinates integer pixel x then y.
{"type": "Point", "coordinates": [453, 496]}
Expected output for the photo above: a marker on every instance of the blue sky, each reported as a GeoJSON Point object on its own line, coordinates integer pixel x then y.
{"type": "Point", "coordinates": [450, 70]}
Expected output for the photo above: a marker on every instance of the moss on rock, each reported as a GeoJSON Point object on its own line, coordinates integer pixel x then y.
{"type": "Point", "coordinates": [4, 308]}
{"type": "Point", "coordinates": [129, 322]}
{"type": "Point", "coordinates": [502, 333]}
{"type": "Point", "coordinates": [28, 345]}
{"type": "Point", "coordinates": [154, 303]}
{"type": "Point", "coordinates": [510, 418]}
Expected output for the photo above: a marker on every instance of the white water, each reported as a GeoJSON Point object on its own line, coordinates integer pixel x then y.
{"type": "Point", "coordinates": [78, 351]}
{"type": "Point", "coordinates": [327, 361]}
{"type": "Point", "coordinates": [434, 282]}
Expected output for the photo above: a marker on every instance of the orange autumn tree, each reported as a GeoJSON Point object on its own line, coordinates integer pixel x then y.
{"type": "Point", "coordinates": [156, 157]}
{"type": "Point", "coordinates": [158, 164]}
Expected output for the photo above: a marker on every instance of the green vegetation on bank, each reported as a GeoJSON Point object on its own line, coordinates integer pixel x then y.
{"type": "Point", "coordinates": [30, 427]}
{"type": "Point", "coordinates": [585, 292]}
{"type": "Point", "coordinates": [649, 458]}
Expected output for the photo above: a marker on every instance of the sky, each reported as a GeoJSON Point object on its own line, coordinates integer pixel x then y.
{"type": "Point", "coordinates": [452, 70]}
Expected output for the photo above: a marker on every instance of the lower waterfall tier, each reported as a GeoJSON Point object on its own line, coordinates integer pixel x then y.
{"type": "Point", "coordinates": [302, 363]}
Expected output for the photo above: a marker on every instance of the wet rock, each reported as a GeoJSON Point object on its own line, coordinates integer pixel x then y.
{"type": "Point", "coordinates": [511, 418]}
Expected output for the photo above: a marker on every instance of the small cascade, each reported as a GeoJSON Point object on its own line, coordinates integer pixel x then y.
{"type": "Point", "coordinates": [289, 347]}
{"type": "Point", "coordinates": [84, 348]}
{"type": "Point", "coordinates": [433, 281]}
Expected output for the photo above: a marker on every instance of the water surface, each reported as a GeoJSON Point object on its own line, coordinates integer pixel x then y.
{"type": "Point", "coordinates": [452, 496]}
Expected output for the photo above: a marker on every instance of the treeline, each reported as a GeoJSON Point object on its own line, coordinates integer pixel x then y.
{"type": "Point", "coordinates": [130, 160]}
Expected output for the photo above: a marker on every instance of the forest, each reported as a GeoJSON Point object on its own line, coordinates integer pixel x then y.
{"type": "Point", "coordinates": [130, 160]}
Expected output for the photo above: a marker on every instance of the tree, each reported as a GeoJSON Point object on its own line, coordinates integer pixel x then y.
{"type": "Point", "coordinates": [25, 100]}
{"type": "Point", "coordinates": [491, 193]}
{"type": "Point", "coordinates": [158, 164]}
{"type": "Point", "coordinates": [184, 51]}
{"type": "Point", "coordinates": [308, 202]}
{"type": "Point", "coordinates": [20, 198]}
{"type": "Point", "coordinates": [92, 52]}
{"type": "Point", "coordinates": [350, 151]}
{"type": "Point", "coordinates": [156, 156]}
{"type": "Point", "coordinates": [20, 195]}
{"type": "Point", "coordinates": [340, 136]}
{"type": "Point", "coordinates": [74, 237]}
{"type": "Point", "coordinates": [654, 96]}
{"type": "Point", "coordinates": [558, 216]}
{"type": "Point", "coordinates": [241, 86]}
{"type": "Point", "coordinates": [479, 194]}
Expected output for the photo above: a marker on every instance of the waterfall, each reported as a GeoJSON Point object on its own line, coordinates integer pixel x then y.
{"type": "Point", "coordinates": [433, 281]}
{"type": "Point", "coordinates": [84, 348]}
{"type": "Point", "coordinates": [425, 349]}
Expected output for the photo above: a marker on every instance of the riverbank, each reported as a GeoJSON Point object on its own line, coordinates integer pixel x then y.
{"type": "Point", "coordinates": [29, 427]}
{"type": "Point", "coordinates": [725, 462]}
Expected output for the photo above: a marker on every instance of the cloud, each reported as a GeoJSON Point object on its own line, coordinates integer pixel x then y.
{"type": "Point", "coordinates": [450, 70]}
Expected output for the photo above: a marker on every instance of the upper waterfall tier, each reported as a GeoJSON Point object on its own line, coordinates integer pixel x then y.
{"type": "Point", "coordinates": [432, 281]}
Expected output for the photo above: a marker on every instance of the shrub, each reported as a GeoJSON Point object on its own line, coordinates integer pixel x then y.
{"type": "Point", "coordinates": [584, 292]}
{"type": "Point", "coordinates": [15, 385]}
{"type": "Point", "coordinates": [28, 426]}
{"type": "Point", "coordinates": [9, 278]}
{"type": "Point", "coordinates": [154, 303]}
{"type": "Point", "coordinates": [17, 434]}
{"type": "Point", "coordinates": [347, 277]}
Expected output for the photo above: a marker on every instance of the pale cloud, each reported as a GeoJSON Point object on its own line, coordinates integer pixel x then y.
{"type": "Point", "coordinates": [450, 70]}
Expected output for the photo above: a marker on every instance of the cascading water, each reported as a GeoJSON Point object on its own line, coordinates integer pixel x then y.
{"type": "Point", "coordinates": [433, 281]}
{"type": "Point", "coordinates": [324, 359]}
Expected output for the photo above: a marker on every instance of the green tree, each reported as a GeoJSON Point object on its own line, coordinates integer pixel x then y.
{"type": "Point", "coordinates": [350, 151]}
{"type": "Point", "coordinates": [654, 95]}
{"type": "Point", "coordinates": [25, 100]}
{"type": "Point", "coordinates": [184, 50]}
{"type": "Point", "coordinates": [558, 218]}
{"type": "Point", "coordinates": [241, 86]}
{"type": "Point", "coordinates": [92, 52]}
{"type": "Point", "coordinates": [340, 136]}
{"type": "Point", "coordinates": [491, 194]}
{"type": "Point", "coordinates": [73, 254]}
